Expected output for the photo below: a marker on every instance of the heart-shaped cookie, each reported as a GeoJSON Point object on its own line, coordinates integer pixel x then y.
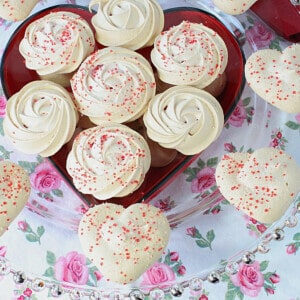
{"type": "Point", "coordinates": [123, 243]}
{"type": "Point", "coordinates": [262, 184]}
{"type": "Point", "coordinates": [16, 10]}
{"type": "Point", "coordinates": [275, 76]}
{"type": "Point", "coordinates": [234, 7]}
{"type": "Point", "coordinates": [14, 192]}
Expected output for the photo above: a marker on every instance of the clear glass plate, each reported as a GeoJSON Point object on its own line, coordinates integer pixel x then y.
{"type": "Point", "coordinates": [187, 211]}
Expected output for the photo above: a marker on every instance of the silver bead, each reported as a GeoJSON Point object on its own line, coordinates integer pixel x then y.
{"type": "Point", "coordinates": [136, 295]}
{"type": "Point", "coordinates": [196, 284]}
{"type": "Point", "coordinates": [214, 277]}
{"type": "Point", "coordinates": [176, 290]}
{"type": "Point", "coordinates": [232, 267]}
{"type": "Point", "coordinates": [56, 291]}
{"type": "Point", "coordinates": [248, 258]}
{"type": "Point", "coordinates": [4, 266]}
{"type": "Point", "coordinates": [116, 296]}
{"type": "Point", "coordinates": [157, 294]}
{"type": "Point", "coordinates": [38, 285]}
{"type": "Point", "coordinates": [295, 2]}
{"type": "Point", "coordinates": [278, 234]}
{"type": "Point", "coordinates": [19, 277]}
{"type": "Point", "coordinates": [95, 296]}
{"type": "Point", "coordinates": [263, 248]}
{"type": "Point", "coordinates": [75, 295]}
{"type": "Point", "coordinates": [291, 222]}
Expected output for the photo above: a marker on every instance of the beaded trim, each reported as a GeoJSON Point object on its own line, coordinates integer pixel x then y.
{"type": "Point", "coordinates": [196, 284]}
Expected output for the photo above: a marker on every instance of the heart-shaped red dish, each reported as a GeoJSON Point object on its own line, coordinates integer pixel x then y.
{"type": "Point", "coordinates": [15, 75]}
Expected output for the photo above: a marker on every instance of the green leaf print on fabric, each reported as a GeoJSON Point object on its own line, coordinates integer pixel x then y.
{"type": "Point", "coordinates": [30, 235]}
{"type": "Point", "coordinates": [201, 241]}
{"type": "Point", "coordinates": [30, 166]}
{"type": "Point", "coordinates": [293, 125]}
{"type": "Point", "coordinates": [4, 153]}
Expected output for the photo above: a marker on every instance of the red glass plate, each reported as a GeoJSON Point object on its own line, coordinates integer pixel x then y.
{"type": "Point", "coordinates": [15, 75]}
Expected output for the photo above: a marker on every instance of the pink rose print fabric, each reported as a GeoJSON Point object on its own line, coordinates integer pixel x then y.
{"type": "Point", "coordinates": [157, 274]}
{"type": "Point", "coordinates": [259, 35]}
{"type": "Point", "coordinates": [249, 279]}
{"type": "Point", "coordinates": [2, 106]}
{"type": "Point", "coordinates": [45, 178]}
{"type": "Point", "coordinates": [46, 231]}
{"type": "Point", "coordinates": [72, 268]}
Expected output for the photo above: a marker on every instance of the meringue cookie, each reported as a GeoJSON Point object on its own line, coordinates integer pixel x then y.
{"type": "Point", "coordinates": [275, 76]}
{"type": "Point", "coordinates": [113, 84]}
{"type": "Point", "coordinates": [234, 7]}
{"type": "Point", "coordinates": [123, 243]}
{"type": "Point", "coordinates": [15, 189]}
{"type": "Point", "coordinates": [189, 54]}
{"type": "Point", "coordinates": [109, 160]}
{"type": "Point", "coordinates": [16, 10]}
{"type": "Point", "coordinates": [131, 24]}
{"type": "Point", "coordinates": [184, 118]}
{"type": "Point", "coordinates": [56, 44]}
{"type": "Point", "coordinates": [40, 118]}
{"type": "Point", "coordinates": [262, 184]}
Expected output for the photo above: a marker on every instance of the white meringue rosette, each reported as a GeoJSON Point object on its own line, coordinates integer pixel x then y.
{"type": "Point", "coordinates": [40, 118]}
{"type": "Point", "coordinates": [113, 84]}
{"type": "Point", "coordinates": [184, 118]}
{"type": "Point", "coordinates": [189, 54]}
{"type": "Point", "coordinates": [131, 24]}
{"type": "Point", "coordinates": [108, 160]}
{"type": "Point", "coordinates": [57, 43]}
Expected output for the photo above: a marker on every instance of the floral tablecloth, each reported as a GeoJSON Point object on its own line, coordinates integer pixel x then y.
{"type": "Point", "coordinates": [44, 255]}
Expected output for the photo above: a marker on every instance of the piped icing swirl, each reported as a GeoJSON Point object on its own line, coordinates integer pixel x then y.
{"type": "Point", "coordinates": [113, 84]}
{"type": "Point", "coordinates": [40, 118]}
{"type": "Point", "coordinates": [184, 118]}
{"type": "Point", "coordinates": [57, 43]}
{"type": "Point", "coordinates": [131, 24]}
{"type": "Point", "coordinates": [189, 54]}
{"type": "Point", "coordinates": [108, 160]}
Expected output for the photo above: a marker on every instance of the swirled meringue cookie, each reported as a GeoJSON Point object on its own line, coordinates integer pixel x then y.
{"type": "Point", "coordinates": [184, 118]}
{"type": "Point", "coordinates": [189, 54]}
{"type": "Point", "coordinates": [131, 24]}
{"type": "Point", "coordinates": [108, 160]}
{"type": "Point", "coordinates": [113, 84]}
{"type": "Point", "coordinates": [56, 44]}
{"type": "Point", "coordinates": [40, 118]}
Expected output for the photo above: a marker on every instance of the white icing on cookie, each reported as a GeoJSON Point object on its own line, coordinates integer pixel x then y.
{"type": "Point", "coordinates": [131, 24]}
{"type": "Point", "coordinates": [123, 243]}
{"type": "Point", "coordinates": [109, 160]}
{"type": "Point", "coordinates": [275, 76]}
{"type": "Point", "coordinates": [14, 192]}
{"type": "Point", "coordinates": [184, 118]}
{"type": "Point", "coordinates": [40, 118]}
{"type": "Point", "coordinates": [262, 184]}
{"type": "Point", "coordinates": [234, 7]}
{"type": "Point", "coordinates": [189, 54]}
{"type": "Point", "coordinates": [113, 84]}
{"type": "Point", "coordinates": [16, 10]}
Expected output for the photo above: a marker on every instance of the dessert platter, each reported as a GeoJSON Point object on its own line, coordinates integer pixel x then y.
{"type": "Point", "coordinates": [156, 179]}
{"type": "Point", "coordinates": [187, 205]}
